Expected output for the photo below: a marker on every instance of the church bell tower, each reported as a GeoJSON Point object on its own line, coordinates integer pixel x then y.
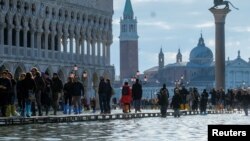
{"type": "Point", "coordinates": [128, 43]}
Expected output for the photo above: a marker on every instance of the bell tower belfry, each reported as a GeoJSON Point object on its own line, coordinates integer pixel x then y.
{"type": "Point", "coordinates": [128, 43]}
{"type": "Point", "coordinates": [161, 59]}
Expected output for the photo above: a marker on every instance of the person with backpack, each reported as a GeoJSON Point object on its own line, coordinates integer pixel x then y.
{"type": "Point", "coordinates": [163, 100]}
{"type": "Point", "coordinates": [126, 97]}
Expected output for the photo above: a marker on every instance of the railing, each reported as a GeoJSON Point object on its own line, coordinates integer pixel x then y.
{"type": "Point", "coordinates": [57, 56]}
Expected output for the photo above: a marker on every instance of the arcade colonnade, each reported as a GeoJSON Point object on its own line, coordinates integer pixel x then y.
{"type": "Point", "coordinates": [54, 36]}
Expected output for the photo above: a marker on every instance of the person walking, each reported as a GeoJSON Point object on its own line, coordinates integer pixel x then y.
{"type": "Point", "coordinates": [28, 90]}
{"type": "Point", "coordinates": [176, 102]}
{"type": "Point", "coordinates": [137, 95]}
{"type": "Point", "coordinates": [57, 87]}
{"type": "Point", "coordinates": [46, 97]}
{"type": "Point", "coordinates": [77, 93]}
{"type": "Point", "coordinates": [20, 98]}
{"type": "Point", "coordinates": [40, 85]}
{"type": "Point", "coordinates": [102, 91]}
{"type": "Point", "coordinates": [67, 90]}
{"type": "Point", "coordinates": [163, 100]}
{"type": "Point", "coordinates": [12, 96]}
{"type": "Point", "coordinates": [126, 97]}
{"type": "Point", "coordinates": [109, 91]}
{"type": "Point", "coordinates": [5, 88]}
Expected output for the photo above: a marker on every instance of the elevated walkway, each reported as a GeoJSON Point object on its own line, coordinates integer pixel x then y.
{"type": "Point", "coordinates": [7, 121]}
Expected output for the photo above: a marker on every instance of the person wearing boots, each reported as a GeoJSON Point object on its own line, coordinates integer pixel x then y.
{"type": "Point", "coordinates": [137, 95]}
{"type": "Point", "coordinates": [57, 88]}
{"type": "Point", "coordinates": [102, 91]}
{"type": "Point", "coordinates": [47, 93]}
{"type": "Point", "coordinates": [126, 97]}
{"type": "Point", "coordinates": [20, 98]}
{"type": "Point", "coordinates": [40, 85]}
{"type": "Point", "coordinates": [12, 96]}
{"type": "Point", "coordinates": [67, 90]}
{"type": "Point", "coordinates": [28, 87]}
{"type": "Point", "coordinates": [163, 100]}
{"type": "Point", "coordinates": [5, 88]}
{"type": "Point", "coordinates": [176, 102]}
{"type": "Point", "coordinates": [77, 93]}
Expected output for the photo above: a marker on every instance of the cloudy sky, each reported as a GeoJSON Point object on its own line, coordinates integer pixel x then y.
{"type": "Point", "coordinates": [174, 24]}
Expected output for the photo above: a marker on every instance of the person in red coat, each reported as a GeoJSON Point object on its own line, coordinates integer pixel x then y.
{"type": "Point", "coordinates": [126, 97]}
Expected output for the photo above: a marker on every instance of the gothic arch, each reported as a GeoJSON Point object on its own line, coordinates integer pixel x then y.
{"type": "Point", "coordinates": [3, 67]}
{"type": "Point", "coordinates": [106, 74]}
{"type": "Point", "coordinates": [95, 79]}
{"type": "Point", "coordinates": [17, 73]}
{"type": "Point", "coordinates": [61, 75]}
{"type": "Point", "coordinates": [49, 71]}
{"type": "Point", "coordinates": [21, 66]}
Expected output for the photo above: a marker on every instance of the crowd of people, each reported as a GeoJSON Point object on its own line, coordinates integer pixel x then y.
{"type": "Point", "coordinates": [36, 93]}
{"type": "Point", "coordinates": [186, 99]}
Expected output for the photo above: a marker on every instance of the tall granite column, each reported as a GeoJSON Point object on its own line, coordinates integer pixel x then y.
{"type": "Point", "coordinates": [220, 16]}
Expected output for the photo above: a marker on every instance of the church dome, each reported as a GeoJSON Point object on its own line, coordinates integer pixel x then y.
{"type": "Point", "coordinates": [201, 54]}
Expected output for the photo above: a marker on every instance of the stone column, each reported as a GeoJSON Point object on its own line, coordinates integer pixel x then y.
{"type": "Point", "coordinates": [9, 40]}
{"type": "Point", "coordinates": [10, 35]}
{"type": "Point", "coordinates": [108, 54]}
{"type": "Point", "coordinates": [1, 35]}
{"type": "Point", "coordinates": [88, 52]}
{"type": "Point", "coordinates": [77, 39]}
{"type": "Point", "coordinates": [17, 37]}
{"type": "Point", "coordinates": [93, 52]}
{"type": "Point", "coordinates": [25, 31]}
{"type": "Point", "coordinates": [32, 37]}
{"type": "Point", "coordinates": [83, 51]}
{"type": "Point", "coordinates": [103, 53]}
{"type": "Point", "coordinates": [46, 43]}
{"type": "Point", "coordinates": [71, 37]}
{"type": "Point", "coordinates": [220, 16]}
{"type": "Point", "coordinates": [1, 39]}
{"type": "Point", "coordinates": [65, 42]}
{"type": "Point", "coordinates": [38, 40]}
{"type": "Point", "coordinates": [53, 34]}
{"type": "Point", "coordinates": [98, 52]}
{"type": "Point", "coordinates": [59, 38]}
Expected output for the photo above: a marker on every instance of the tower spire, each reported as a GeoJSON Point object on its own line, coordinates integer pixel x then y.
{"type": "Point", "coordinates": [128, 12]}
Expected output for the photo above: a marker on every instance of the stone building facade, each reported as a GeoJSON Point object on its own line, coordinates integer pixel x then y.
{"type": "Point", "coordinates": [56, 35]}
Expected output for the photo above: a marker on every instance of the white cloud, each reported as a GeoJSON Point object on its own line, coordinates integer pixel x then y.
{"type": "Point", "coordinates": [116, 21]}
{"type": "Point", "coordinates": [241, 29]}
{"type": "Point", "coordinates": [211, 43]}
{"type": "Point", "coordinates": [205, 25]}
{"type": "Point", "coordinates": [159, 24]}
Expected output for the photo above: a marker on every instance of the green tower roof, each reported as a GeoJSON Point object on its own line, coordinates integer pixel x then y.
{"type": "Point", "coordinates": [128, 10]}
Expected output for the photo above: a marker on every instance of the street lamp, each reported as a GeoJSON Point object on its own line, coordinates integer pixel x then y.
{"type": "Point", "coordinates": [244, 84]}
{"type": "Point", "coordinates": [132, 79]}
{"type": "Point", "coordinates": [145, 79]}
{"type": "Point", "coordinates": [75, 68]}
{"type": "Point", "coordinates": [72, 74]}
{"type": "Point", "coordinates": [137, 73]}
{"type": "Point", "coordinates": [85, 74]}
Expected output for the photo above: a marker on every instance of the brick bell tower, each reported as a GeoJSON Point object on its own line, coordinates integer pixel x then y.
{"type": "Point", "coordinates": [128, 43]}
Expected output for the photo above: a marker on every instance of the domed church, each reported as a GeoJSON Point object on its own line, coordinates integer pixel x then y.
{"type": "Point", "coordinates": [200, 70]}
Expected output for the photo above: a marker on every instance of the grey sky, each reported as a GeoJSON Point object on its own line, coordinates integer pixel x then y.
{"type": "Point", "coordinates": [174, 24]}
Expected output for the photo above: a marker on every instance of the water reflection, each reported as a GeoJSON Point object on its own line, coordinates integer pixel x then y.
{"type": "Point", "coordinates": [185, 128]}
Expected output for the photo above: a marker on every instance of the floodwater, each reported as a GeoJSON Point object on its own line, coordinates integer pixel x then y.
{"type": "Point", "coordinates": [185, 128]}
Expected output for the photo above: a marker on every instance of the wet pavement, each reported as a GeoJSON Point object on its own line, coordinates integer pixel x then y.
{"type": "Point", "coordinates": [188, 128]}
